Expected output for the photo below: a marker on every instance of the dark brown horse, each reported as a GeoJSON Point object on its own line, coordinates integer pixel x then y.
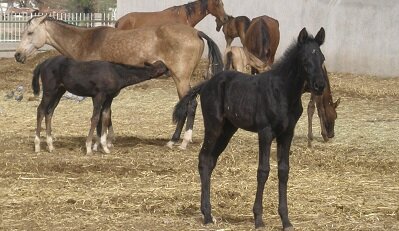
{"type": "Point", "coordinates": [179, 46]}
{"type": "Point", "coordinates": [97, 79]}
{"type": "Point", "coordinates": [261, 42]}
{"type": "Point", "coordinates": [326, 110]}
{"type": "Point", "coordinates": [268, 104]}
{"type": "Point", "coordinates": [189, 14]}
{"type": "Point", "coordinates": [233, 28]}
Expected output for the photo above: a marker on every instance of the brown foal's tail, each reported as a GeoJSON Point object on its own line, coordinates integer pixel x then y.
{"type": "Point", "coordinates": [35, 80]}
{"type": "Point", "coordinates": [229, 61]}
{"type": "Point", "coordinates": [214, 56]}
{"type": "Point", "coordinates": [181, 108]}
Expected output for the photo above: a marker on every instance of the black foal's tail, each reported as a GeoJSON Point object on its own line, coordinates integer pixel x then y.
{"type": "Point", "coordinates": [35, 80]}
{"type": "Point", "coordinates": [214, 55]}
{"type": "Point", "coordinates": [181, 108]}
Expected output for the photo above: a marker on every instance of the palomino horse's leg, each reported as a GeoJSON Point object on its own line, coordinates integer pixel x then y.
{"type": "Point", "coordinates": [283, 148]}
{"type": "Point", "coordinates": [211, 149]}
{"type": "Point", "coordinates": [183, 86]}
{"type": "Point", "coordinates": [98, 101]}
{"type": "Point", "coordinates": [265, 140]}
{"type": "Point", "coordinates": [311, 109]}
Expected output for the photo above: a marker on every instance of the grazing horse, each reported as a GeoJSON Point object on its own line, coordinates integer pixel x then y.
{"type": "Point", "coordinates": [189, 14]}
{"type": "Point", "coordinates": [179, 46]}
{"type": "Point", "coordinates": [326, 110]}
{"type": "Point", "coordinates": [234, 27]}
{"type": "Point", "coordinates": [269, 104]}
{"type": "Point", "coordinates": [261, 42]}
{"type": "Point", "coordinates": [97, 79]}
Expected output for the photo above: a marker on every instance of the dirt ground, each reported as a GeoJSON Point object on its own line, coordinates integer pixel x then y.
{"type": "Point", "coordinates": [348, 183]}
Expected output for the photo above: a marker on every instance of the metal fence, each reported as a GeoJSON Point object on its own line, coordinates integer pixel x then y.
{"type": "Point", "coordinates": [12, 25]}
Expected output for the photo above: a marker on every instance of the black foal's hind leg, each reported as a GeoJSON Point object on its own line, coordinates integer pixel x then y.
{"type": "Point", "coordinates": [188, 135]}
{"type": "Point", "coordinates": [212, 147]}
{"type": "Point", "coordinates": [283, 148]}
{"type": "Point", "coordinates": [265, 141]}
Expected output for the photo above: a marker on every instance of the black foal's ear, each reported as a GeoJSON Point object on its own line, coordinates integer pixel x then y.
{"type": "Point", "coordinates": [303, 35]}
{"type": "Point", "coordinates": [321, 35]}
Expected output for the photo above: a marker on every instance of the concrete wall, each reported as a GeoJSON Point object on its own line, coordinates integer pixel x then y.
{"type": "Point", "coordinates": [361, 35]}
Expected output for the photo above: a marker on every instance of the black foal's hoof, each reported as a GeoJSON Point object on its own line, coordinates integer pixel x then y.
{"type": "Point", "coordinates": [259, 225]}
{"type": "Point", "coordinates": [208, 220]}
{"type": "Point", "coordinates": [289, 228]}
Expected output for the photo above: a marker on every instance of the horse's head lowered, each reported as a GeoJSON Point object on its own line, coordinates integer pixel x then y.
{"type": "Point", "coordinates": [216, 8]}
{"type": "Point", "coordinates": [312, 59]}
{"type": "Point", "coordinates": [33, 38]}
{"type": "Point", "coordinates": [219, 22]}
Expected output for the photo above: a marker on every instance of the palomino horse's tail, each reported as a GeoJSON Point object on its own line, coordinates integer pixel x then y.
{"type": "Point", "coordinates": [181, 108]}
{"type": "Point", "coordinates": [214, 56]}
{"type": "Point", "coordinates": [35, 80]}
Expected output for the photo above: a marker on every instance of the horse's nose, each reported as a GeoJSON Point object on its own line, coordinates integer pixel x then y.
{"type": "Point", "coordinates": [17, 56]}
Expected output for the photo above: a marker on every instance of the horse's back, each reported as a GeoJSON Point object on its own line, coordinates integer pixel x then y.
{"type": "Point", "coordinates": [262, 38]}
{"type": "Point", "coordinates": [135, 20]}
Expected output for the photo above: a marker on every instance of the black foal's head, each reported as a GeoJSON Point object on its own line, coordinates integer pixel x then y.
{"type": "Point", "coordinates": [312, 59]}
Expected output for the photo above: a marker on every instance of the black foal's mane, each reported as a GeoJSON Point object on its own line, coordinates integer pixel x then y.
{"type": "Point", "coordinates": [288, 59]}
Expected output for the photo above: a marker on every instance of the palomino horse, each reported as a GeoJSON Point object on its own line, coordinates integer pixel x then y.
{"type": "Point", "coordinates": [261, 42]}
{"type": "Point", "coordinates": [97, 79]}
{"type": "Point", "coordinates": [269, 104]}
{"type": "Point", "coordinates": [233, 28]}
{"type": "Point", "coordinates": [179, 46]}
{"type": "Point", "coordinates": [189, 14]}
{"type": "Point", "coordinates": [326, 110]}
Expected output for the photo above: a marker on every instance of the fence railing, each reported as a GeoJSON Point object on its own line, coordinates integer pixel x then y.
{"type": "Point", "coordinates": [12, 25]}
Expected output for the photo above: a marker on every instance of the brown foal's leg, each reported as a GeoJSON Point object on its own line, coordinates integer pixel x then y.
{"type": "Point", "coordinates": [311, 109]}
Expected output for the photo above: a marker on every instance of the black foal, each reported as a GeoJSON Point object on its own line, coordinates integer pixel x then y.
{"type": "Point", "coordinates": [97, 79]}
{"type": "Point", "coordinates": [269, 104]}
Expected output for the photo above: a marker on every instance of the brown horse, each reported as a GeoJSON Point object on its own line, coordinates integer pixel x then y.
{"type": "Point", "coordinates": [261, 42]}
{"type": "Point", "coordinates": [326, 110]}
{"type": "Point", "coordinates": [180, 47]}
{"type": "Point", "coordinates": [233, 28]}
{"type": "Point", "coordinates": [189, 14]}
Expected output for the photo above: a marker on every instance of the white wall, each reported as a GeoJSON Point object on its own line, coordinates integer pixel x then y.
{"type": "Point", "coordinates": [361, 35]}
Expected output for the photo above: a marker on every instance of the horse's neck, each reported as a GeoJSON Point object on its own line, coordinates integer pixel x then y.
{"type": "Point", "coordinates": [293, 83]}
{"type": "Point", "coordinates": [197, 16]}
{"type": "Point", "coordinates": [65, 38]}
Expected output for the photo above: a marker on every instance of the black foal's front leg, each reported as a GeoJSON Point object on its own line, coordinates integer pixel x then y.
{"type": "Point", "coordinates": [283, 148]}
{"type": "Point", "coordinates": [211, 149]}
{"type": "Point", "coordinates": [265, 140]}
